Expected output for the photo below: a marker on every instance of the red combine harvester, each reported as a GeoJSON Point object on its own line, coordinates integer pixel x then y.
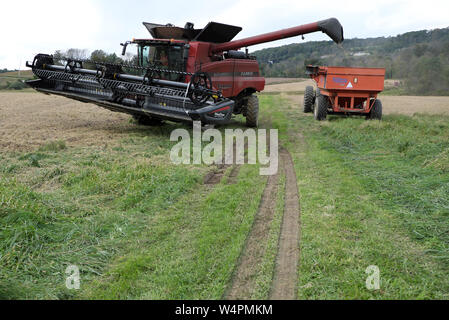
{"type": "Point", "coordinates": [345, 91]}
{"type": "Point", "coordinates": [183, 74]}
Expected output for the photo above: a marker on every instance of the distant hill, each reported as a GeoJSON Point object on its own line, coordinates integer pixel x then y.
{"type": "Point", "coordinates": [420, 58]}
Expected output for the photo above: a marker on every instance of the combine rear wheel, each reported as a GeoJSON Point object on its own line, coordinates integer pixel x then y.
{"type": "Point", "coordinates": [376, 111]}
{"type": "Point", "coordinates": [309, 97]}
{"type": "Point", "coordinates": [252, 112]}
{"type": "Point", "coordinates": [147, 121]}
{"type": "Point", "coordinates": [321, 107]}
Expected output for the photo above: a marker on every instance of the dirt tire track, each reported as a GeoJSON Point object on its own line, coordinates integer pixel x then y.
{"type": "Point", "coordinates": [286, 272]}
{"type": "Point", "coordinates": [284, 283]}
{"type": "Point", "coordinates": [214, 177]}
{"type": "Point", "coordinates": [234, 174]}
{"type": "Point", "coordinates": [243, 282]}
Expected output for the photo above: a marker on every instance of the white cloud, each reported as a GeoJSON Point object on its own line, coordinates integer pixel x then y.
{"type": "Point", "coordinates": [30, 27]}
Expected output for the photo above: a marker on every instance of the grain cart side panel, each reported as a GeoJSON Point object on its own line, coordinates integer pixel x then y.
{"type": "Point", "coordinates": [355, 79]}
{"type": "Point", "coordinates": [349, 90]}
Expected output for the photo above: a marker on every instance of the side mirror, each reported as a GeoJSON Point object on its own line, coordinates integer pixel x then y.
{"type": "Point", "coordinates": [124, 45]}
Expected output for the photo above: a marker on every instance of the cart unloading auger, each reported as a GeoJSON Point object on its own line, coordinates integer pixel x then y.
{"type": "Point", "coordinates": [184, 74]}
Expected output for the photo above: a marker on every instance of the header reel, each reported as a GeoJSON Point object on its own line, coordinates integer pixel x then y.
{"type": "Point", "coordinates": [107, 85]}
{"type": "Point", "coordinates": [200, 89]}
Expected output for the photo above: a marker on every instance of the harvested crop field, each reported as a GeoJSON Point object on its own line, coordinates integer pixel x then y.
{"type": "Point", "coordinates": [410, 105]}
{"type": "Point", "coordinates": [272, 81]}
{"type": "Point", "coordinates": [29, 120]}
{"type": "Point", "coordinates": [289, 86]}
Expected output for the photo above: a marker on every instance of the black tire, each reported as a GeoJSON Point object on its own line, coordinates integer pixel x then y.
{"type": "Point", "coordinates": [309, 97]}
{"type": "Point", "coordinates": [317, 94]}
{"type": "Point", "coordinates": [376, 111]}
{"type": "Point", "coordinates": [147, 121]}
{"type": "Point", "coordinates": [321, 106]}
{"type": "Point", "coordinates": [252, 112]}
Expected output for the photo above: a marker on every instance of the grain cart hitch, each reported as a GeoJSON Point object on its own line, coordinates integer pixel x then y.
{"type": "Point", "coordinates": [108, 86]}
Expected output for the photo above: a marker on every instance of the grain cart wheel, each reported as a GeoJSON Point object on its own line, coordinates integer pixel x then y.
{"type": "Point", "coordinates": [252, 112]}
{"type": "Point", "coordinates": [321, 107]}
{"type": "Point", "coordinates": [376, 111]}
{"type": "Point", "coordinates": [309, 97]}
{"type": "Point", "coordinates": [317, 94]}
{"type": "Point", "coordinates": [147, 121]}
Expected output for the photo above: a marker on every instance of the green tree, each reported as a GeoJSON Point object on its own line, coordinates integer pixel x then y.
{"type": "Point", "coordinates": [98, 55]}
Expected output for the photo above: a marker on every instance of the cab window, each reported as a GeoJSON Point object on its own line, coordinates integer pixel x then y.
{"type": "Point", "coordinates": [163, 57]}
{"type": "Point", "coordinates": [145, 56]}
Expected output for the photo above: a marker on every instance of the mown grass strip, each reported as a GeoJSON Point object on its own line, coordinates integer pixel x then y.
{"type": "Point", "coordinates": [189, 250]}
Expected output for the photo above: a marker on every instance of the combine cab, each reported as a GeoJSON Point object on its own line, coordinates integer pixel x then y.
{"type": "Point", "coordinates": [183, 74]}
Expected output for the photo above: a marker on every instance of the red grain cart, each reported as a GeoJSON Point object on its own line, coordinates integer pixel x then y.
{"type": "Point", "coordinates": [345, 91]}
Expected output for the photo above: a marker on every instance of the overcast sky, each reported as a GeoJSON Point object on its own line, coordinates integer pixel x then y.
{"type": "Point", "coordinates": [29, 27]}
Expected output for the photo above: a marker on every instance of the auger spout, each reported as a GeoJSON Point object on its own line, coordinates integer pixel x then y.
{"type": "Point", "coordinates": [331, 27]}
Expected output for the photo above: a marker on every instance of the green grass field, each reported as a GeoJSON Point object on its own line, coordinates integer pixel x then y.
{"type": "Point", "coordinates": [372, 193]}
{"type": "Point", "coordinates": [136, 225]}
{"type": "Point", "coordinates": [139, 227]}
{"type": "Point", "coordinates": [9, 79]}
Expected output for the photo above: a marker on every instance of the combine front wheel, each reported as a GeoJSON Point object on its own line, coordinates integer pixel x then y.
{"type": "Point", "coordinates": [309, 97]}
{"type": "Point", "coordinates": [252, 112]}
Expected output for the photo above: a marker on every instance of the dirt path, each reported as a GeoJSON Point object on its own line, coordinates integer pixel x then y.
{"type": "Point", "coordinates": [285, 276]}
{"type": "Point", "coordinates": [216, 175]}
{"type": "Point", "coordinates": [243, 283]}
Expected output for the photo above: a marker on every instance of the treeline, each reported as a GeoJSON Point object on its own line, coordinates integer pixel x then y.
{"type": "Point", "coordinates": [420, 59]}
{"type": "Point", "coordinates": [97, 55]}
{"type": "Point", "coordinates": [6, 70]}
{"type": "Point", "coordinates": [76, 54]}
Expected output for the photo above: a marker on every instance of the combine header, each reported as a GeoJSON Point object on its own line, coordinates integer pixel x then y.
{"type": "Point", "coordinates": [183, 74]}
